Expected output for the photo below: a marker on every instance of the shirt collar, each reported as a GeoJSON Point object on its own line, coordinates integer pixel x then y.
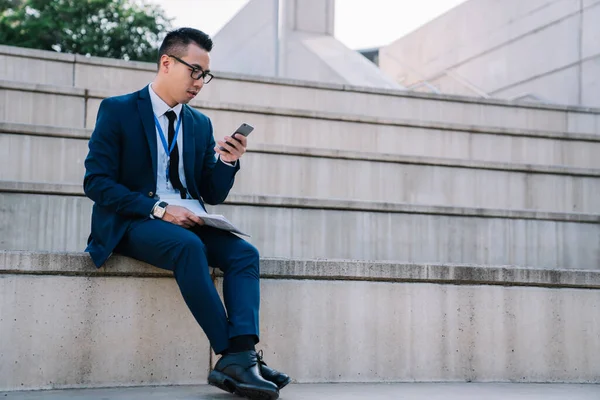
{"type": "Point", "coordinates": [159, 106]}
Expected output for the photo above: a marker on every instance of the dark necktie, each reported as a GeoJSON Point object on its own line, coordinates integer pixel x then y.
{"type": "Point", "coordinates": [174, 160]}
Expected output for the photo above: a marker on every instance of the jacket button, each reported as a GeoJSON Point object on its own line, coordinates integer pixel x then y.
{"type": "Point", "coordinates": [150, 194]}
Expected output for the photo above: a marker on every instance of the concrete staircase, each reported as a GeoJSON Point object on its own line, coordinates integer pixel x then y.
{"type": "Point", "coordinates": [66, 324]}
{"type": "Point", "coordinates": [473, 227]}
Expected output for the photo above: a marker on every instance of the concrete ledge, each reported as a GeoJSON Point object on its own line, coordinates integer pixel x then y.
{"type": "Point", "coordinates": [40, 88]}
{"type": "Point", "coordinates": [142, 66]}
{"type": "Point", "coordinates": [41, 188]}
{"type": "Point", "coordinates": [405, 93]}
{"type": "Point", "coordinates": [329, 204]}
{"type": "Point", "coordinates": [321, 321]}
{"type": "Point", "coordinates": [344, 205]}
{"type": "Point", "coordinates": [79, 264]}
{"type": "Point", "coordinates": [419, 160]}
{"type": "Point", "coordinates": [298, 113]}
{"type": "Point", "coordinates": [78, 133]}
{"type": "Point", "coordinates": [111, 62]}
{"type": "Point", "coordinates": [37, 54]}
{"type": "Point", "coordinates": [365, 119]}
{"type": "Point", "coordinates": [62, 223]}
{"type": "Point", "coordinates": [45, 131]}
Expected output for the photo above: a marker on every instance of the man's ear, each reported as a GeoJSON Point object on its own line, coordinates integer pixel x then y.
{"type": "Point", "coordinates": [165, 63]}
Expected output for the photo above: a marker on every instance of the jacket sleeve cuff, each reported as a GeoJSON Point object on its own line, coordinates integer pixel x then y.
{"type": "Point", "coordinates": [233, 165]}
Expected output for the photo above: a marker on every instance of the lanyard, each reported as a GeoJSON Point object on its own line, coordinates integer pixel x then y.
{"type": "Point", "coordinates": [164, 141]}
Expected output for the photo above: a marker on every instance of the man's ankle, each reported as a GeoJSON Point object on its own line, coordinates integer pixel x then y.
{"type": "Point", "coordinates": [241, 343]}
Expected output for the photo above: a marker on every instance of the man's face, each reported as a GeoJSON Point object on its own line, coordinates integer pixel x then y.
{"type": "Point", "coordinates": [181, 86]}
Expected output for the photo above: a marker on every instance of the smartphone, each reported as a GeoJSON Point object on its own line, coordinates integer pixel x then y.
{"type": "Point", "coordinates": [244, 129]}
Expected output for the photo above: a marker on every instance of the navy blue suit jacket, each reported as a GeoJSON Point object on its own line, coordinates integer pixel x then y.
{"type": "Point", "coordinates": [121, 167]}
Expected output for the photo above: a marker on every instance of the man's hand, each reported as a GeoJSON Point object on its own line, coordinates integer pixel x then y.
{"type": "Point", "coordinates": [181, 216]}
{"type": "Point", "coordinates": [236, 147]}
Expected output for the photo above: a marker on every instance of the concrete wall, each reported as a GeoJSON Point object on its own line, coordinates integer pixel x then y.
{"type": "Point", "coordinates": [301, 172]}
{"type": "Point", "coordinates": [385, 138]}
{"type": "Point", "coordinates": [334, 229]}
{"type": "Point", "coordinates": [87, 332]}
{"type": "Point", "coordinates": [126, 324]}
{"type": "Point", "coordinates": [437, 333]}
{"type": "Point", "coordinates": [117, 77]}
{"type": "Point", "coordinates": [76, 108]}
{"type": "Point", "coordinates": [390, 136]}
{"type": "Point", "coordinates": [548, 48]}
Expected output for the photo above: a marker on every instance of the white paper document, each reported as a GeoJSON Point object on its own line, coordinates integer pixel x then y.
{"type": "Point", "coordinates": [214, 220]}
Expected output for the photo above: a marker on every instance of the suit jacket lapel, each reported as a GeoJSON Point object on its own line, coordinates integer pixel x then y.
{"type": "Point", "coordinates": [145, 110]}
{"type": "Point", "coordinates": [189, 146]}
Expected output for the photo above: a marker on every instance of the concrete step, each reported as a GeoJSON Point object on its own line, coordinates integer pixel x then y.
{"type": "Point", "coordinates": [345, 175]}
{"type": "Point", "coordinates": [73, 108]}
{"type": "Point", "coordinates": [392, 135]}
{"type": "Point", "coordinates": [57, 217]}
{"type": "Point", "coordinates": [372, 135]}
{"type": "Point", "coordinates": [345, 391]}
{"type": "Point", "coordinates": [92, 73]}
{"type": "Point", "coordinates": [66, 324]}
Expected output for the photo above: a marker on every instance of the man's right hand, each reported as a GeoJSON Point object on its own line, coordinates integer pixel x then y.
{"type": "Point", "coordinates": [181, 216]}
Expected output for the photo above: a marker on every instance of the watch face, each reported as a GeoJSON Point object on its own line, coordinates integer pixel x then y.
{"type": "Point", "coordinates": [159, 212]}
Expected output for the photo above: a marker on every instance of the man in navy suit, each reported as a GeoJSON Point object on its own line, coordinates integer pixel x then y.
{"type": "Point", "coordinates": [150, 146]}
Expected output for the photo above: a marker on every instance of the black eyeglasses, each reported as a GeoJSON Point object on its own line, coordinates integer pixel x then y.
{"type": "Point", "coordinates": [197, 73]}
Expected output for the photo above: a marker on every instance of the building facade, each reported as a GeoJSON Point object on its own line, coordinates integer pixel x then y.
{"type": "Point", "coordinates": [536, 50]}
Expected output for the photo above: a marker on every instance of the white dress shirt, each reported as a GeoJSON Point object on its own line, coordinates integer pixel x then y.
{"type": "Point", "coordinates": [159, 107]}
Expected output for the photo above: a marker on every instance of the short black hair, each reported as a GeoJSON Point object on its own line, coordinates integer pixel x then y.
{"type": "Point", "coordinates": [177, 41]}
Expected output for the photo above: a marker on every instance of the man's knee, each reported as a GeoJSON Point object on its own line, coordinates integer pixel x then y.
{"type": "Point", "coordinates": [190, 247]}
{"type": "Point", "coordinates": [250, 254]}
{"type": "Point", "coordinates": [248, 258]}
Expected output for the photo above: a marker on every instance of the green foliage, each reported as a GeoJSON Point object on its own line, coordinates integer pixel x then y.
{"type": "Point", "coordinates": [125, 29]}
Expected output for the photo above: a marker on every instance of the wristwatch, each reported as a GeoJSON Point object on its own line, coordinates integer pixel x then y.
{"type": "Point", "coordinates": [159, 209]}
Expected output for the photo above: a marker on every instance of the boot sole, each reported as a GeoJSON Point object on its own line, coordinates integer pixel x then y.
{"type": "Point", "coordinates": [226, 383]}
{"type": "Point", "coordinates": [284, 384]}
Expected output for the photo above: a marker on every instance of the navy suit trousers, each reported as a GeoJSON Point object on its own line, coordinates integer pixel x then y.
{"type": "Point", "coordinates": [188, 253]}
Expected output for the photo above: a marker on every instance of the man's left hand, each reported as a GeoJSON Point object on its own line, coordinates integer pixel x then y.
{"type": "Point", "coordinates": [235, 147]}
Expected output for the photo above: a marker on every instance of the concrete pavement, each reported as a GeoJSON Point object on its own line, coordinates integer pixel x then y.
{"type": "Point", "coordinates": [397, 391]}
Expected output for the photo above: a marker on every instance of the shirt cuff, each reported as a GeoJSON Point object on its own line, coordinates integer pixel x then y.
{"type": "Point", "coordinates": [228, 163]}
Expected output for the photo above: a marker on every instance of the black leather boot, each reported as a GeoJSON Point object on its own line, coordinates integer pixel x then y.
{"type": "Point", "coordinates": [278, 378]}
{"type": "Point", "coordinates": [239, 373]}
